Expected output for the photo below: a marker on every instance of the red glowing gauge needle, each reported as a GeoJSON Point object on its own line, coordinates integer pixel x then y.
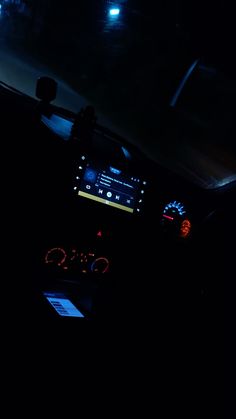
{"type": "Point", "coordinates": [168, 217]}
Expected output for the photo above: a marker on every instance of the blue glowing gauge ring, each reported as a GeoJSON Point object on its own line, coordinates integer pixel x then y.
{"type": "Point", "coordinates": [172, 209]}
{"type": "Point", "coordinates": [100, 265]}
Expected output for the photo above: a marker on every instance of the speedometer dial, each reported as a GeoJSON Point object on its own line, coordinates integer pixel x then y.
{"type": "Point", "coordinates": [174, 221]}
{"type": "Point", "coordinates": [173, 209]}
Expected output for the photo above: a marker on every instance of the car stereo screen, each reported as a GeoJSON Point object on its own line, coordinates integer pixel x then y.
{"type": "Point", "coordinates": [110, 187]}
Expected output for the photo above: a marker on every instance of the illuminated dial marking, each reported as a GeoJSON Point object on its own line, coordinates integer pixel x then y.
{"type": "Point", "coordinates": [100, 265]}
{"type": "Point", "coordinates": [56, 256]}
{"type": "Point", "coordinates": [168, 217]}
{"type": "Point", "coordinates": [74, 254]}
{"type": "Point", "coordinates": [185, 228]}
{"type": "Point", "coordinates": [174, 208]}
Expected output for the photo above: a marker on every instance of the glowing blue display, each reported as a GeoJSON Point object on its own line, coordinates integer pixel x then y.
{"type": "Point", "coordinates": [62, 305]}
{"type": "Point", "coordinates": [115, 171]}
{"type": "Point", "coordinates": [175, 207]}
{"type": "Point", "coordinates": [114, 12]}
{"type": "Point", "coordinates": [90, 175]}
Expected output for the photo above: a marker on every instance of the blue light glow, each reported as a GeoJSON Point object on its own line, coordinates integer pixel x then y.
{"type": "Point", "coordinates": [90, 175]}
{"type": "Point", "coordinates": [115, 171]}
{"type": "Point", "coordinates": [62, 305]}
{"type": "Point", "coordinates": [177, 94]}
{"type": "Point", "coordinates": [114, 12]}
{"type": "Point", "coordinates": [175, 206]}
{"type": "Point", "coordinates": [59, 125]}
{"type": "Point", "coordinates": [126, 153]}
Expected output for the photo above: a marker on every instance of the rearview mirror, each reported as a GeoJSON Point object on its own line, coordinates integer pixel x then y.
{"type": "Point", "coordinates": [46, 89]}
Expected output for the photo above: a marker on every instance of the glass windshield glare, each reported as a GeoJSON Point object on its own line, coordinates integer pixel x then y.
{"type": "Point", "coordinates": [127, 58]}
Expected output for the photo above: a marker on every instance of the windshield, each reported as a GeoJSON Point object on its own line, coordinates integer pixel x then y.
{"type": "Point", "coordinates": [127, 58]}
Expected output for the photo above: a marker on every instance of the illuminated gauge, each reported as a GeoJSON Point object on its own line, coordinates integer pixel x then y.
{"type": "Point", "coordinates": [173, 220]}
{"type": "Point", "coordinates": [185, 228]}
{"type": "Point", "coordinates": [172, 210]}
{"type": "Point", "coordinates": [100, 265]}
{"type": "Point", "coordinates": [56, 256]}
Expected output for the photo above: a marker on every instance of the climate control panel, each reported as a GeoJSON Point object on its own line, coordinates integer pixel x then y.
{"type": "Point", "coordinates": [74, 260]}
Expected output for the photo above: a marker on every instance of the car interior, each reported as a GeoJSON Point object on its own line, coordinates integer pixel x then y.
{"type": "Point", "coordinates": [100, 234]}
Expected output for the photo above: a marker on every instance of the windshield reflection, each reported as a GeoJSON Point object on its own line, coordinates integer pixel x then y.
{"type": "Point", "coordinates": [127, 59]}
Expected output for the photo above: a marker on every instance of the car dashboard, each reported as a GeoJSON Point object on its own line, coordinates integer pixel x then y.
{"type": "Point", "coordinates": [106, 226]}
{"type": "Point", "coordinates": [117, 224]}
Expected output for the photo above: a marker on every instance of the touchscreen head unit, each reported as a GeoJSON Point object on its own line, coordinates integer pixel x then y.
{"type": "Point", "coordinates": [110, 186]}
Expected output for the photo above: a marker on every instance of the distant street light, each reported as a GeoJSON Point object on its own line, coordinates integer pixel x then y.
{"type": "Point", "coordinates": [114, 11]}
